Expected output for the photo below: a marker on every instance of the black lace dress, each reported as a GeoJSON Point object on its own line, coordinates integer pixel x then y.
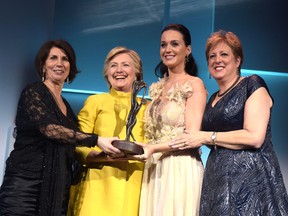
{"type": "Point", "coordinates": [241, 182]}
{"type": "Point", "coordinates": [39, 169]}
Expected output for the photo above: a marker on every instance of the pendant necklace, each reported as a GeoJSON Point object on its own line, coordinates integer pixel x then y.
{"type": "Point", "coordinates": [227, 90]}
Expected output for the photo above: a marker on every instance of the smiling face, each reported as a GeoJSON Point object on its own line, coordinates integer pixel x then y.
{"type": "Point", "coordinates": [57, 66]}
{"type": "Point", "coordinates": [222, 62]}
{"type": "Point", "coordinates": [173, 50]}
{"type": "Point", "coordinates": [121, 72]}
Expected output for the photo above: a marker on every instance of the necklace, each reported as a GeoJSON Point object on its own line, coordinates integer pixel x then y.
{"type": "Point", "coordinates": [227, 90]}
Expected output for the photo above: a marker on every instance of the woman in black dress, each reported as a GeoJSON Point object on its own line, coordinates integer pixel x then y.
{"type": "Point", "coordinates": [39, 169]}
{"type": "Point", "coordinates": [242, 174]}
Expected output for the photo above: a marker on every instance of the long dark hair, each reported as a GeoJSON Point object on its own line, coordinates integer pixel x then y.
{"type": "Point", "coordinates": [190, 66]}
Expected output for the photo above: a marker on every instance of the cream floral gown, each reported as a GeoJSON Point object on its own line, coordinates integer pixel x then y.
{"type": "Point", "coordinates": [172, 181]}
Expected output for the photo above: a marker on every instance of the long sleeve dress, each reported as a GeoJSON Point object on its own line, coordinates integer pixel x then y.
{"type": "Point", "coordinates": [108, 188]}
{"type": "Point", "coordinates": [171, 180]}
{"type": "Point", "coordinates": [241, 182]}
{"type": "Point", "coordinates": [39, 169]}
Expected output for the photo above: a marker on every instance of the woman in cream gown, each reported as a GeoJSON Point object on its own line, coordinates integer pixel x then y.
{"type": "Point", "coordinates": [172, 177]}
{"type": "Point", "coordinates": [110, 188]}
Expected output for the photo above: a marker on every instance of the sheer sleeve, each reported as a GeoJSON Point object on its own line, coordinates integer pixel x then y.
{"type": "Point", "coordinates": [66, 135]}
{"type": "Point", "coordinates": [38, 111]}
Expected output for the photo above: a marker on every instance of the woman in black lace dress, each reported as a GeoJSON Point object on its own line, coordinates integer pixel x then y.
{"type": "Point", "coordinates": [39, 169]}
{"type": "Point", "coordinates": [242, 174]}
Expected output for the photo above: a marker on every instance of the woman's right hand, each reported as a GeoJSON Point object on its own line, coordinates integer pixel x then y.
{"type": "Point", "coordinates": [93, 156]}
{"type": "Point", "coordinates": [99, 156]}
{"type": "Point", "coordinates": [148, 151]}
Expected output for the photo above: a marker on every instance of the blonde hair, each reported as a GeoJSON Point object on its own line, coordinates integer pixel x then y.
{"type": "Point", "coordinates": [134, 56]}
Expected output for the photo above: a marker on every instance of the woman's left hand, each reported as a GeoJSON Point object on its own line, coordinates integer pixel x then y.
{"type": "Point", "coordinates": [187, 140]}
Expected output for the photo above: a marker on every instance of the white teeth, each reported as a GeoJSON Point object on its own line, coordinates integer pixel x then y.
{"type": "Point", "coordinates": [219, 68]}
{"type": "Point", "coordinates": [169, 57]}
{"type": "Point", "coordinates": [120, 77]}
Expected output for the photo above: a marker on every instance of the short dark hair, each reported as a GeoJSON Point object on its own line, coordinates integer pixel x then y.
{"type": "Point", "coordinates": [44, 51]}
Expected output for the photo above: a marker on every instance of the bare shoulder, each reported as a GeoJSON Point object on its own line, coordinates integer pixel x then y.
{"type": "Point", "coordinates": [196, 82]}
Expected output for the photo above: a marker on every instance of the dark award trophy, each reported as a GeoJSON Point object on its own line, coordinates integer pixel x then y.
{"type": "Point", "coordinates": [126, 146]}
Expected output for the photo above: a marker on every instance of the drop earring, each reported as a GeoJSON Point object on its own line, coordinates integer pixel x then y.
{"type": "Point", "coordinates": [209, 76]}
{"type": "Point", "coordinates": [43, 75]}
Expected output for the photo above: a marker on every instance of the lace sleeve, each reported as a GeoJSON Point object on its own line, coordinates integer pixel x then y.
{"type": "Point", "coordinates": [37, 111]}
{"type": "Point", "coordinates": [66, 135]}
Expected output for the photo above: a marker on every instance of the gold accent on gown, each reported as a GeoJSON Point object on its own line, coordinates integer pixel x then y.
{"type": "Point", "coordinates": [172, 181]}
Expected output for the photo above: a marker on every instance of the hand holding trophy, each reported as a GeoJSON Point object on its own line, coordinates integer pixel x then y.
{"type": "Point", "coordinates": [126, 146]}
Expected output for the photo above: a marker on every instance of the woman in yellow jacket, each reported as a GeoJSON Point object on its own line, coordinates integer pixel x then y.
{"type": "Point", "coordinates": [110, 188]}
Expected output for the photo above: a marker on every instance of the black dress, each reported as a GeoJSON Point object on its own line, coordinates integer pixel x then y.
{"type": "Point", "coordinates": [39, 169]}
{"type": "Point", "coordinates": [240, 182]}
